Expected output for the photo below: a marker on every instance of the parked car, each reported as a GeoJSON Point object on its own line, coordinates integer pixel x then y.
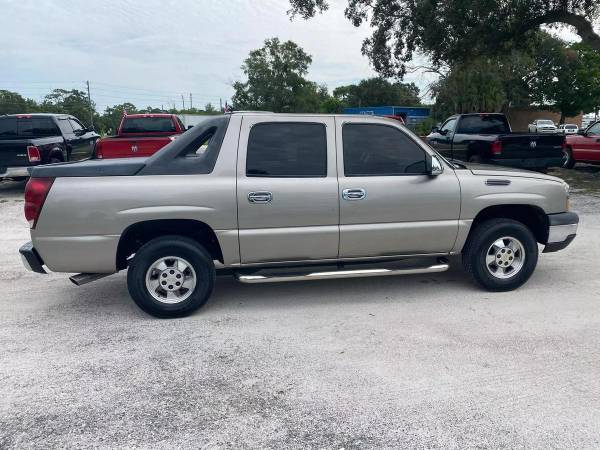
{"type": "Point", "coordinates": [542, 126]}
{"type": "Point", "coordinates": [140, 135]}
{"type": "Point", "coordinates": [584, 147]}
{"type": "Point", "coordinates": [488, 138]}
{"type": "Point", "coordinates": [568, 128]}
{"type": "Point", "coordinates": [28, 140]}
{"type": "Point", "coordinates": [282, 197]}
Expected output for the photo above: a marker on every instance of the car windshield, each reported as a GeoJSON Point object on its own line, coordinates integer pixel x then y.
{"type": "Point", "coordinates": [148, 125]}
{"type": "Point", "coordinates": [545, 122]}
{"type": "Point", "coordinates": [571, 127]}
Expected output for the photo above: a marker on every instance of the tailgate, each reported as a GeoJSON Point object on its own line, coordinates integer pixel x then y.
{"type": "Point", "coordinates": [13, 154]}
{"type": "Point", "coordinates": [532, 145]}
{"type": "Point", "coordinates": [132, 147]}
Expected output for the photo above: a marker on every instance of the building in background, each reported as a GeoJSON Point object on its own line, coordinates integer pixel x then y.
{"type": "Point", "coordinates": [410, 115]}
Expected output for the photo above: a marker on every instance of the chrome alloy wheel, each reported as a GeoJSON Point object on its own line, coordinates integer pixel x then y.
{"type": "Point", "coordinates": [171, 279]}
{"type": "Point", "coordinates": [505, 257]}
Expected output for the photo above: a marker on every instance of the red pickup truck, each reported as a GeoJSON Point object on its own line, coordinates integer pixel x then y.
{"type": "Point", "coordinates": [584, 147]}
{"type": "Point", "coordinates": [140, 135]}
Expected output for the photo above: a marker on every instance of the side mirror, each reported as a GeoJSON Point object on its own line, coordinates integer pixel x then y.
{"type": "Point", "coordinates": [582, 133]}
{"type": "Point", "coordinates": [435, 129]}
{"type": "Point", "coordinates": [189, 127]}
{"type": "Point", "coordinates": [433, 166]}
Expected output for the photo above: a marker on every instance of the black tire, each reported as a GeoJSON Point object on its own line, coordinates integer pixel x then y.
{"type": "Point", "coordinates": [476, 159]}
{"type": "Point", "coordinates": [480, 241]}
{"type": "Point", "coordinates": [171, 246]}
{"type": "Point", "coordinates": [570, 161]}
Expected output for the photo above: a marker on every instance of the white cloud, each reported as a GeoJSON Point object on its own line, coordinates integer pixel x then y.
{"type": "Point", "coordinates": [152, 51]}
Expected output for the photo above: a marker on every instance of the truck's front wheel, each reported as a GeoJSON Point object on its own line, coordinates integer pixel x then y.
{"type": "Point", "coordinates": [171, 276]}
{"type": "Point", "coordinates": [501, 254]}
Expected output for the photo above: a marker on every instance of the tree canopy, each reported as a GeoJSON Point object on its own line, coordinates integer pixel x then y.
{"type": "Point", "coordinates": [276, 80]}
{"type": "Point", "coordinates": [378, 91]}
{"type": "Point", "coordinates": [452, 31]}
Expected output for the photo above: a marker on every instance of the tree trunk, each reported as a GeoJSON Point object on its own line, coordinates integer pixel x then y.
{"type": "Point", "coordinates": [562, 118]}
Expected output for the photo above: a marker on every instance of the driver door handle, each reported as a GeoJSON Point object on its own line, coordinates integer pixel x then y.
{"type": "Point", "coordinates": [260, 197]}
{"type": "Point", "coordinates": [354, 194]}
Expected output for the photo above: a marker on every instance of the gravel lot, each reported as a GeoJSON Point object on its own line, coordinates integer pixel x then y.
{"type": "Point", "coordinates": [421, 361]}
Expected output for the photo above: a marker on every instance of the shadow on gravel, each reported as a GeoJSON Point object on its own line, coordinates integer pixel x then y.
{"type": "Point", "coordinates": [110, 297]}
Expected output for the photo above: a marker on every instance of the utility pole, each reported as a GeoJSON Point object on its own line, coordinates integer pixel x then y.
{"type": "Point", "coordinates": [191, 107]}
{"type": "Point", "coordinates": [221, 105]}
{"type": "Point", "coordinates": [90, 104]}
{"type": "Point", "coordinates": [182, 102]}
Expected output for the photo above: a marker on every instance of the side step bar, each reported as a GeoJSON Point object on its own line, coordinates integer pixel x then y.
{"type": "Point", "coordinates": [381, 272]}
{"type": "Point", "coordinates": [85, 278]}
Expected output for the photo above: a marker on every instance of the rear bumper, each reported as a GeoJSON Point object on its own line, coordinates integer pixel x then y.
{"type": "Point", "coordinates": [562, 231]}
{"type": "Point", "coordinates": [31, 258]}
{"type": "Point", "coordinates": [14, 172]}
{"type": "Point", "coordinates": [530, 163]}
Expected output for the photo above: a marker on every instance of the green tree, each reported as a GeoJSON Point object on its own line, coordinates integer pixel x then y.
{"type": "Point", "coordinates": [14, 103]}
{"type": "Point", "coordinates": [110, 120]}
{"type": "Point", "coordinates": [74, 102]}
{"type": "Point", "coordinates": [275, 80]}
{"type": "Point", "coordinates": [566, 79]}
{"type": "Point", "coordinates": [210, 109]}
{"type": "Point", "coordinates": [377, 92]}
{"type": "Point", "coordinates": [483, 85]}
{"type": "Point", "coordinates": [453, 31]}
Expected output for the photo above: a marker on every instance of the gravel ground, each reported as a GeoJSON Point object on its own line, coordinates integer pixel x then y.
{"type": "Point", "coordinates": [398, 362]}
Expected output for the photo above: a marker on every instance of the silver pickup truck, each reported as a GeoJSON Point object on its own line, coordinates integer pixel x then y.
{"type": "Point", "coordinates": [282, 197]}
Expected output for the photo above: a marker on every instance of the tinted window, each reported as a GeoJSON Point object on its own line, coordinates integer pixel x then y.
{"type": "Point", "coordinates": [8, 126]}
{"type": "Point", "coordinates": [287, 150]}
{"type": "Point", "coordinates": [371, 149]}
{"type": "Point", "coordinates": [484, 124]}
{"type": "Point", "coordinates": [77, 126]}
{"type": "Point", "coordinates": [148, 125]}
{"type": "Point", "coordinates": [65, 126]}
{"type": "Point", "coordinates": [449, 125]}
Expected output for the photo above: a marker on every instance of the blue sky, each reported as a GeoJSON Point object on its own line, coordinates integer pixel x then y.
{"type": "Point", "coordinates": [152, 51]}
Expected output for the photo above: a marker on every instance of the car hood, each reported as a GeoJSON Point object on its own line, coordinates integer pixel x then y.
{"type": "Point", "coordinates": [501, 171]}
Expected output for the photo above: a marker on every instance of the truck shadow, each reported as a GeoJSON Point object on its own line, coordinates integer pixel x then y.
{"type": "Point", "coordinates": [110, 296]}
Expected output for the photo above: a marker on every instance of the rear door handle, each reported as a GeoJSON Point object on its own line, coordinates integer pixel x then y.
{"type": "Point", "coordinates": [354, 194]}
{"type": "Point", "coordinates": [260, 197]}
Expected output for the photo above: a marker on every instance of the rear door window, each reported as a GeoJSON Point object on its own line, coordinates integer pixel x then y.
{"type": "Point", "coordinates": [8, 127]}
{"type": "Point", "coordinates": [77, 126]}
{"type": "Point", "coordinates": [43, 126]}
{"type": "Point", "coordinates": [65, 126]}
{"type": "Point", "coordinates": [287, 150]}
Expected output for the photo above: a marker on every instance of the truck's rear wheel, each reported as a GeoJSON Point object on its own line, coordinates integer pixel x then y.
{"type": "Point", "coordinates": [501, 254]}
{"type": "Point", "coordinates": [171, 276]}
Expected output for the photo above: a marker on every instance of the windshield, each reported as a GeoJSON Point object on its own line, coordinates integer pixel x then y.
{"type": "Point", "coordinates": [545, 122]}
{"type": "Point", "coordinates": [148, 125]}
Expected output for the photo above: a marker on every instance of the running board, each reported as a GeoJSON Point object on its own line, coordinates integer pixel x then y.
{"type": "Point", "coordinates": [382, 272]}
{"type": "Point", "coordinates": [85, 278]}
